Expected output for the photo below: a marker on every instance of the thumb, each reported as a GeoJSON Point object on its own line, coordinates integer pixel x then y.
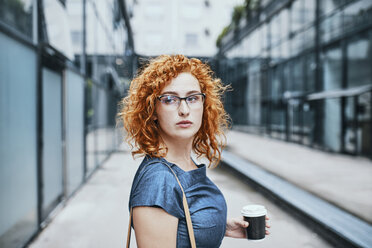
{"type": "Point", "coordinates": [243, 223]}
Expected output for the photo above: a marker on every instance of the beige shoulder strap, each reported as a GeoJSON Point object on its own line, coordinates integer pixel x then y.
{"type": "Point", "coordinates": [185, 209]}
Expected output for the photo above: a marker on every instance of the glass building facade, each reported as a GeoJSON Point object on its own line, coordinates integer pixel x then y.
{"type": "Point", "coordinates": [301, 71]}
{"type": "Point", "coordinates": [59, 88]}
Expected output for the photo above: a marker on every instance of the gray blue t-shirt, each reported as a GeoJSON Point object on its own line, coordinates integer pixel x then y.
{"type": "Point", "coordinates": [155, 185]}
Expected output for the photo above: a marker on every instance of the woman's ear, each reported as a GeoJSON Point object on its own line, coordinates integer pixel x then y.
{"type": "Point", "coordinates": [154, 118]}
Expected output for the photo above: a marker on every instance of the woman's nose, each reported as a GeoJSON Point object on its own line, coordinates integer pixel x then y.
{"type": "Point", "coordinates": [183, 109]}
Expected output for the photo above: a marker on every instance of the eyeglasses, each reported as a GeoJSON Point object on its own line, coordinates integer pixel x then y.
{"type": "Point", "coordinates": [192, 101]}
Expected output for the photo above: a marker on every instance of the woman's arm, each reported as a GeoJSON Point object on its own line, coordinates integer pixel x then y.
{"type": "Point", "coordinates": [154, 227]}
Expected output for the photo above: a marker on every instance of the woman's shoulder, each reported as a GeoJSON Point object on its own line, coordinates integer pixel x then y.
{"type": "Point", "coordinates": [155, 185]}
{"type": "Point", "coordinates": [154, 166]}
{"type": "Point", "coordinates": [155, 171]}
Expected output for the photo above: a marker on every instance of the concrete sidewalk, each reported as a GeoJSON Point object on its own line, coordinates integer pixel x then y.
{"type": "Point", "coordinates": [97, 215]}
{"type": "Point", "coordinates": [342, 180]}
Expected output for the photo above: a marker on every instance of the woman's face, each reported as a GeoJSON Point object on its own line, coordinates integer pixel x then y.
{"type": "Point", "coordinates": [180, 122]}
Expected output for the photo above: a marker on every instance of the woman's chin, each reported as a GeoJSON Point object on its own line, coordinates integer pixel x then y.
{"type": "Point", "coordinates": [185, 135]}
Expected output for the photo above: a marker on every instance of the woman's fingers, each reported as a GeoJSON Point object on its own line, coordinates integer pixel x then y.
{"type": "Point", "coordinates": [267, 225]}
{"type": "Point", "coordinates": [243, 223]}
{"type": "Point", "coordinates": [267, 218]}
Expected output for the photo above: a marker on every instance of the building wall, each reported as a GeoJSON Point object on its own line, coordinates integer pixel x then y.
{"type": "Point", "coordinates": [173, 26]}
{"type": "Point", "coordinates": [57, 123]}
{"type": "Point", "coordinates": [311, 61]}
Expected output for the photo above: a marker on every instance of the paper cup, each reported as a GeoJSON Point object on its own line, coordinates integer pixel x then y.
{"type": "Point", "coordinates": [255, 215]}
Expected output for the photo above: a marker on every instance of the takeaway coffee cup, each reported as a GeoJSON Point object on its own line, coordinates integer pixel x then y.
{"type": "Point", "coordinates": [255, 215]}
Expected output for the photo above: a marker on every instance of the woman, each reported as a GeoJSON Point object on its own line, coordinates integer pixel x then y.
{"type": "Point", "coordinates": [173, 108]}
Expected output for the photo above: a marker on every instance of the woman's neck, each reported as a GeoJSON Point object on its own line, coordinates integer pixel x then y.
{"type": "Point", "coordinates": [179, 153]}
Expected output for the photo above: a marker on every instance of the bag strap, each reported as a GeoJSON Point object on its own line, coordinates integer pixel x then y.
{"type": "Point", "coordinates": [129, 228]}
{"type": "Point", "coordinates": [185, 208]}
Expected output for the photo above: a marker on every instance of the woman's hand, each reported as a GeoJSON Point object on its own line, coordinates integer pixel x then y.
{"type": "Point", "coordinates": [235, 227]}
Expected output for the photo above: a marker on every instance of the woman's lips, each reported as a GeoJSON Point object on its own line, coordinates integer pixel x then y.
{"type": "Point", "coordinates": [184, 124]}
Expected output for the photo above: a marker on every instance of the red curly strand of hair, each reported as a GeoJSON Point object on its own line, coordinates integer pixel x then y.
{"type": "Point", "coordinates": [138, 108]}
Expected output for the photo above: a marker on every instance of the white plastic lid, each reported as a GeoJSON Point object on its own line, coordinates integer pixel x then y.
{"type": "Point", "coordinates": [253, 210]}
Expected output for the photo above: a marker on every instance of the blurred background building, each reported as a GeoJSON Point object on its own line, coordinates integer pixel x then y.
{"type": "Point", "coordinates": [301, 71]}
{"type": "Point", "coordinates": [63, 67]}
{"type": "Point", "coordinates": [185, 27]}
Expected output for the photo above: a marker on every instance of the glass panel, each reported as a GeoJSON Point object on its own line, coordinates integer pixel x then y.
{"type": "Point", "coordinates": [285, 49]}
{"type": "Point", "coordinates": [254, 43]}
{"type": "Point", "coordinates": [275, 30]}
{"type": "Point", "coordinates": [296, 43]}
{"type": "Point", "coordinates": [308, 123]}
{"type": "Point", "coordinates": [284, 20]}
{"type": "Point", "coordinates": [298, 75]}
{"type": "Point", "coordinates": [331, 27]}
{"type": "Point", "coordinates": [294, 120]}
{"type": "Point", "coordinates": [52, 152]}
{"type": "Point", "coordinates": [309, 38]}
{"type": "Point", "coordinates": [101, 124]}
{"type": "Point", "coordinates": [18, 14]}
{"type": "Point", "coordinates": [350, 126]}
{"type": "Point", "coordinates": [278, 121]}
{"type": "Point", "coordinates": [101, 30]}
{"type": "Point", "coordinates": [287, 84]}
{"type": "Point", "coordinates": [75, 20]}
{"type": "Point", "coordinates": [277, 110]}
{"type": "Point", "coordinates": [309, 11]}
{"type": "Point", "coordinates": [276, 86]}
{"type": "Point", "coordinates": [58, 28]}
{"type": "Point", "coordinates": [364, 131]}
{"type": "Point", "coordinates": [359, 62]}
{"type": "Point", "coordinates": [18, 143]}
{"type": "Point", "coordinates": [328, 6]}
{"type": "Point", "coordinates": [310, 67]}
{"type": "Point", "coordinates": [332, 65]}
{"type": "Point", "coordinates": [357, 13]}
{"type": "Point", "coordinates": [332, 124]}
{"type": "Point", "coordinates": [74, 130]}
{"type": "Point", "coordinates": [264, 40]}
{"type": "Point", "coordinates": [90, 136]}
{"type": "Point", "coordinates": [296, 16]}
{"type": "Point", "coordinates": [254, 95]}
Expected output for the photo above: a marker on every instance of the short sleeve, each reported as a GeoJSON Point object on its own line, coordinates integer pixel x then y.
{"type": "Point", "coordinates": [156, 186]}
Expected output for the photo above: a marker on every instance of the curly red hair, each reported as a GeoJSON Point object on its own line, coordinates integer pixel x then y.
{"type": "Point", "coordinates": [138, 108]}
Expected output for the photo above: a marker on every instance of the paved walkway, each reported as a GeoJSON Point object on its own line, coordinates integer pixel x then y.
{"type": "Point", "coordinates": [97, 215]}
{"type": "Point", "coordinates": [342, 180]}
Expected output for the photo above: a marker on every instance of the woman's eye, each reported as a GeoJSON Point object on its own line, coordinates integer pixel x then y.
{"type": "Point", "coordinates": [192, 98]}
{"type": "Point", "coordinates": [169, 100]}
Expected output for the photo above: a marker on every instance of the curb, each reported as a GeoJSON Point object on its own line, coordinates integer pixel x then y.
{"type": "Point", "coordinates": [337, 226]}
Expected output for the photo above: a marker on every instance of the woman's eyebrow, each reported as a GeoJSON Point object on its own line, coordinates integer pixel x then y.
{"type": "Point", "coordinates": [175, 93]}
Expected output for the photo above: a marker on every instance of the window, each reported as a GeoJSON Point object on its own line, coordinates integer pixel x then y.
{"type": "Point", "coordinates": [296, 16]}
{"type": "Point", "coordinates": [359, 62]}
{"type": "Point", "coordinates": [58, 28]}
{"type": "Point", "coordinates": [275, 30]}
{"type": "Point", "coordinates": [309, 11]}
{"type": "Point", "coordinates": [154, 11]}
{"type": "Point", "coordinates": [154, 39]}
{"type": "Point", "coordinates": [191, 10]}
{"type": "Point", "coordinates": [328, 6]}
{"type": "Point", "coordinates": [76, 37]}
{"type": "Point", "coordinates": [357, 14]}
{"type": "Point", "coordinates": [191, 40]}
{"type": "Point", "coordinates": [332, 64]}
{"type": "Point", "coordinates": [331, 27]}
{"type": "Point", "coordinates": [18, 15]}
